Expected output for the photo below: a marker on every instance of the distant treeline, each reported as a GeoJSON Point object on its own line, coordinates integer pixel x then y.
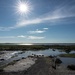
{"type": "Point", "coordinates": [35, 47]}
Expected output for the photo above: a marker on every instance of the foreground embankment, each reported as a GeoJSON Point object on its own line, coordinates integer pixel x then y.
{"type": "Point", "coordinates": [42, 66]}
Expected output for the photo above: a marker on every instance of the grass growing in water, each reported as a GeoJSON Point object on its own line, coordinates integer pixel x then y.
{"type": "Point", "coordinates": [67, 55]}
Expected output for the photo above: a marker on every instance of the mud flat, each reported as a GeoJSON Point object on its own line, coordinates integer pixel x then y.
{"type": "Point", "coordinates": [9, 54]}
{"type": "Point", "coordinates": [42, 66]}
{"type": "Point", "coordinates": [21, 65]}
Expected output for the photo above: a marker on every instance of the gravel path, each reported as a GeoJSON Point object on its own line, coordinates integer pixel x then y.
{"type": "Point", "coordinates": [40, 68]}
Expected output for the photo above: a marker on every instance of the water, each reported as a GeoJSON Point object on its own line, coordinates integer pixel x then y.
{"type": "Point", "coordinates": [47, 52]}
{"type": "Point", "coordinates": [67, 61]}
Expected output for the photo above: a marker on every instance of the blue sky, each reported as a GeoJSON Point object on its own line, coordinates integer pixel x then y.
{"type": "Point", "coordinates": [48, 21]}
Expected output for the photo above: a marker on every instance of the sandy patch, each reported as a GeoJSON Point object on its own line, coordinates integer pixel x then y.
{"type": "Point", "coordinates": [8, 54]}
{"type": "Point", "coordinates": [21, 65]}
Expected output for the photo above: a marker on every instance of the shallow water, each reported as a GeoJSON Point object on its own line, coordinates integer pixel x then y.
{"type": "Point", "coordinates": [67, 61]}
{"type": "Point", "coordinates": [46, 52]}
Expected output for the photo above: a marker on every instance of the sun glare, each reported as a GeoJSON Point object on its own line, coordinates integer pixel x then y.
{"type": "Point", "coordinates": [23, 8]}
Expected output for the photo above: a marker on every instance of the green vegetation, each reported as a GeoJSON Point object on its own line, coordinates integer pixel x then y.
{"type": "Point", "coordinates": [66, 48]}
{"type": "Point", "coordinates": [22, 47]}
{"type": "Point", "coordinates": [67, 55]}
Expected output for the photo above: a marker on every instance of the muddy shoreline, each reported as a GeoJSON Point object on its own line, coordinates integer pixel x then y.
{"type": "Point", "coordinates": [42, 66]}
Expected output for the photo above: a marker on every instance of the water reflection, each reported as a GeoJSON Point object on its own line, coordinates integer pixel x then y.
{"type": "Point", "coordinates": [46, 52]}
{"type": "Point", "coordinates": [67, 61]}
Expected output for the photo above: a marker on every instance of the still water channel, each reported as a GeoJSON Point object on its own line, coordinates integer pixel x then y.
{"type": "Point", "coordinates": [15, 55]}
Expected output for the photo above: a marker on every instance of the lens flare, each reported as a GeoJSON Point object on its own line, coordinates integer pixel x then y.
{"type": "Point", "coordinates": [23, 7]}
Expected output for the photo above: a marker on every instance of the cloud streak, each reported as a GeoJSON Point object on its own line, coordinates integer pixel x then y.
{"type": "Point", "coordinates": [52, 16]}
{"type": "Point", "coordinates": [1, 37]}
{"type": "Point", "coordinates": [35, 37]}
{"type": "Point", "coordinates": [57, 14]}
{"type": "Point", "coordinates": [37, 31]}
{"type": "Point", "coordinates": [22, 36]}
{"type": "Point", "coordinates": [45, 28]}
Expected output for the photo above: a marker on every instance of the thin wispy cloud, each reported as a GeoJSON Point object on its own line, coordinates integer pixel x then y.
{"type": "Point", "coordinates": [45, 28]}
{"type": "Point", "coordinates": [35, 37]}
{"type": "Point", "coordinates": [3, 29]}
{"type": "Point", "coordinates": [7, 37]}
{"type": "Point", "coordinates": [7, 28]}
{"type": "Point", "coordinates": [20, 36]}
{"type": "Point", "coordinates": [36, 31]}
{"type": "Point", "coordinates": [23, 36]}
{"type": "Point", "coordinates": [62, 12]}
{"type": "Point", "coordinates": [57, 14]}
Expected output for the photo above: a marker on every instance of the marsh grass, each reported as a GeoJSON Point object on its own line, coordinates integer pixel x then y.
{"type": "Point", "coordinates": [67, 55]}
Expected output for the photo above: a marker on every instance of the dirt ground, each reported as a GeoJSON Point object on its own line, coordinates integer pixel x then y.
{"type": "Point", "coordinates": [43, 66]}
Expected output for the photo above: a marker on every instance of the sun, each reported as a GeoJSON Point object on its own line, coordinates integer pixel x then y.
{"type": "Point", "coordinates": [23, 8]}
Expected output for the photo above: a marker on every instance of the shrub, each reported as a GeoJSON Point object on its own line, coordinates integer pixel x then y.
{"type": "Point", "coordinates": [58, 61]}
{"type": "Point", "coordinates": [71, 67]}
